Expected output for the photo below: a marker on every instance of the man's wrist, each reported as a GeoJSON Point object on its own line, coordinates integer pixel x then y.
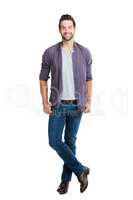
{"type": "Point", "coordinates": [88, 99]}
{"type": "Point", "coordinates": [45, 103]}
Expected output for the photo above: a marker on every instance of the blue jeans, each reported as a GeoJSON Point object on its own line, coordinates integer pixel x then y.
{"type": "Point", "coordinates": [68, 116]}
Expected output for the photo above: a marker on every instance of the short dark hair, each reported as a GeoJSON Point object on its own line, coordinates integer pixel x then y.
{"type": "Point", "coordinates": [66, 17]}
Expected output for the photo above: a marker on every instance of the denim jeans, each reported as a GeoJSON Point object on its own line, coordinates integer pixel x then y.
{"type": "Point", "coordinates": [65, 117]}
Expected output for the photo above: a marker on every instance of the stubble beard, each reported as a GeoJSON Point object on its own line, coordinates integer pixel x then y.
{"type": "Point", "coordinates": [65, 39]}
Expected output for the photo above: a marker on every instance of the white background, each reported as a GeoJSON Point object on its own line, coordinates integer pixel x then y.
{"type": "Point", "coordinates": [29, 168]}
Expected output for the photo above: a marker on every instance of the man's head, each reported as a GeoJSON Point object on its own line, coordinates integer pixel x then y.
{"type": "Point", "coordinates": [67, 27]}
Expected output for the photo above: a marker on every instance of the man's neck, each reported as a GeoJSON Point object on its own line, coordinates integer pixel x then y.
{"type": "Point", "coordinates": [67, 44]}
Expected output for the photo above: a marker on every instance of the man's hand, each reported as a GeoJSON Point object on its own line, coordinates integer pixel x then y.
{"type": "Point", "coordinates": [47, 108]}
{"type": "Point", "coordinates": [87, 107]}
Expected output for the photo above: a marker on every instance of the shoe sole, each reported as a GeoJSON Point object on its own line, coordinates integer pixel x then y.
{"type": "Point", "coordinates": [62, 192]}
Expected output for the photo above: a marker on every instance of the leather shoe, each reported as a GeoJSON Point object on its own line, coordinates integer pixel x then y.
{"type": "Point", "coordinates": [63, 187]}
{"type": "Point", "coordinates": [83, 179]}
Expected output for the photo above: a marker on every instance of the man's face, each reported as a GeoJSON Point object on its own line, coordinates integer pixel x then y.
{"type": "Point", "coordinates": [67, 30]}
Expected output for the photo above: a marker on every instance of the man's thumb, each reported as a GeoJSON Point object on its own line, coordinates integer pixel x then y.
{"type": "Point", "coordinates": [50, 103]}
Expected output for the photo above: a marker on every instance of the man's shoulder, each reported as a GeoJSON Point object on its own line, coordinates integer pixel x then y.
{"type": "Point", "coordinates": [82, 47]}
{"type": "Point", "coordinates": [52, 48]}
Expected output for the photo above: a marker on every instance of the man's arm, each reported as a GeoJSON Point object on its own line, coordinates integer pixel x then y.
{"type": "Point", "coordinates": [88, 96]}
{"type": "Point", "coordinates": [88, 82]}
{"type": "Point", "coordinates": [44, 94]}
{"type": "Point", "coordinates": [43, 77]}
{"type": "Point", "coordinates": [88, 91]}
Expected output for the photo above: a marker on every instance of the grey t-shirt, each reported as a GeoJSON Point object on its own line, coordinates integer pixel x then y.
{"type": "Point", "coordinates": [68, 91]}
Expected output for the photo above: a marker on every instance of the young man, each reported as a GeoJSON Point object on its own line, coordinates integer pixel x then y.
{"type": "Point", "coordinates": [71, 91]}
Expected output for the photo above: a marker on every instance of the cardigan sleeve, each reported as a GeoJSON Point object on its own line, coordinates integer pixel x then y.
{"type": "Point", "coordinates": [88, 65]}
{"type": "Point", "coordinates": [45, 66]}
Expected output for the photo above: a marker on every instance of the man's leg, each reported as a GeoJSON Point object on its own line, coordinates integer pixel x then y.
{"type": "Point", "coordinates": [55, 130]}
{"type": "Point", "coordinates": [71, 129]}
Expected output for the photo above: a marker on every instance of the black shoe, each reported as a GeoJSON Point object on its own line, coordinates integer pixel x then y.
{"type": "Point", "coordinates": [63, 187]}
{"type": "Point", "coordinates": [83, 179]}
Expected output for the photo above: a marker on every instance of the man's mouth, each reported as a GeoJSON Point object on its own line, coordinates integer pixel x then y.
{"type": "Point", "coordinates": [67, 34]}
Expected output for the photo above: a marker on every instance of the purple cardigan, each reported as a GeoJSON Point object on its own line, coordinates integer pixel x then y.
{"type": "Point", "coordinates": [52, 63]}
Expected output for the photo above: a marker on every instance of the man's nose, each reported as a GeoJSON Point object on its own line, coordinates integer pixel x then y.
{"type": "Point", "coordinates": [66, 30]}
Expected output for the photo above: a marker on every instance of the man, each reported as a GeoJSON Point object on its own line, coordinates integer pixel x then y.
{"type": "Point", "coordinates": [71, 91]}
